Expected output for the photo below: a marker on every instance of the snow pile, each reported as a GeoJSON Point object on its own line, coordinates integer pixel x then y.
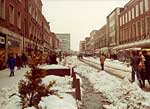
{"type": "Point", "coordinates": [53, 66]}
{"type": "Point", "coordinates": [63, 84]}
{"type": "Point", "coordinates": [64, 101]}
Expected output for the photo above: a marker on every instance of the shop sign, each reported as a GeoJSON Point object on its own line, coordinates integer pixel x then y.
{"type": "Point", "coordinates": [2, 40]}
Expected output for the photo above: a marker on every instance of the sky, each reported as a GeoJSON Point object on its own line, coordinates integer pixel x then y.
{"type": "Point", "coordinates": [78, 17]}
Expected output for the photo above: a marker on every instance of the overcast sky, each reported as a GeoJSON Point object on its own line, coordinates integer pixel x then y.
{"type": "Point", "coordinates": [78, 17]}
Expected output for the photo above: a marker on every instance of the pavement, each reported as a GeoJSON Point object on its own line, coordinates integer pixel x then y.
{"type": "Point", "coordinates": [7, 81]}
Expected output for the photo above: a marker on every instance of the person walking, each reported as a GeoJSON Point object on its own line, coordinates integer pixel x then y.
{"type": "Point", "coordinates": [18, 61]}
{"type": "Point", "coordinates": [147, 61]}
{"type": "Point", "coordinates": [102, 60]}
{"type": "Point", "coordinates": [24, 60]}
{"type": "Point", "coordinates": [11, 64]}
{"type": "Point", "coordinates": [134, 62]}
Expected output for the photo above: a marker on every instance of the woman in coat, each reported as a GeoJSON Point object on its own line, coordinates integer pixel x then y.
{"type": "Point", "coordinates": [11, 64]}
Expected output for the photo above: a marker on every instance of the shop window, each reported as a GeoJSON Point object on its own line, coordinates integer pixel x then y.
{"type": "Point", "coordinates": [2, 9]}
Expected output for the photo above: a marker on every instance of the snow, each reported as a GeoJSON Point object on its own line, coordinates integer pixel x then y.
{"type": "Point", "coordinates": [121, 93]}
{"type": "Point", "coordinates": [112, 63]}
{"type": "Point", "coordinates": [58, 102]}
{"type": "Point", "coordinates": [9, 98]}
{"type": "Point", "coordinates": [9, 88]}
{"type": "Point", "coordinates": [53, 66]}
{"type": "Point", "coordinates": [63, 84]}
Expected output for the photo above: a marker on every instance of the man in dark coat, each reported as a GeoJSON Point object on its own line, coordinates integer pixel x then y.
{"type": "Point", "coordinates": [11, 64]}
{"type": "Point", "coordinates": [147, 61]}
{"type": "Point", "coordinates": [18, 61]}
{"type": "Point", "coordinates": [102, 60]}
{"type": "Point", "coordinates": [135, 60]}
{"type": "Point", "coordinates": [24, 59]}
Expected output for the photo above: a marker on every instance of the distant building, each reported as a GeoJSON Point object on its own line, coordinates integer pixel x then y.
{"type": "Point", "coordinates": [82, 46]}
{"type": "Point", "coordinates": [64, 41]}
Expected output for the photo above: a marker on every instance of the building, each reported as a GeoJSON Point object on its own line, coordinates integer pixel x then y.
{"type": "Point", "coordinates": [82, 47]}
{"type": "Point", "coordinates": [113, 29]}
{"type": "Point", "coordinates": [101, 41]}
{"type": "Point", "coordinates": [64, 41]}
{"type": "Point", "coordinates": [134, 25]}
{"type": "Point", "coordinates": [23, 28]}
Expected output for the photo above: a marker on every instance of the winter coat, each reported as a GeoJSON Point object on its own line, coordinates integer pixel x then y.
{"type": "Point", "coordinates": [11, 62]}
{"type": "Point", "coordinates": [18, 61]}
{"type": "Point", "coordinates": [24, 58]}
{"type": "Point", "coordinates": [102, 59]}
{"type": "Point", "coordinates": [135, 60]}
{"type": "Point", "coordinates": [147, 63]}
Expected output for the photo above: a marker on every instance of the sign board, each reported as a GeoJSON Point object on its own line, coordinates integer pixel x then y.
{"type": "Point", "coordinates": [2, 40]}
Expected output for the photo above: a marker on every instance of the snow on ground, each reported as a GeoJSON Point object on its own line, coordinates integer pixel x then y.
{"type": "Point", "coordinates": [9, 87]}
{"type": "Point", "coordinates": [9, 91]}
{"type": "Point", "coordinates": [53, 66]}
{"type": "Point", "coordinates": [63, 86]}
{"type": "Point", "coordinates": [63, 101]}
{"type": "Point", "coordinates": [121, 93]}
{"type": "Point", "coordinates": [112, 63]}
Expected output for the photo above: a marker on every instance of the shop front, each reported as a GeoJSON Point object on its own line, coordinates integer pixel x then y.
{"type": "Point", "coordinates": [2, 50]}
{"type": "Point", "coordinates": [14, 45]}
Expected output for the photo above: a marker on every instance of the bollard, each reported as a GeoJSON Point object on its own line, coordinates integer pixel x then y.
{"type": "Point", "coordinates": [78, 92]}
{"type": "Point", "coordinates": [74, 79]}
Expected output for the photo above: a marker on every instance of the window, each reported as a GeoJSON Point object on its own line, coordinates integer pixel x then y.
{"type": "Point", "coordinates": [126, 17]}
{"type": "Point", "coordinates": [137, 10]}
{"type": "Point", "coordinates": [134, 30]}
{"type": "Point", "coordinates": [138, 29]}
{"type": "Point", "coordinates": [142, 27]}
{"type": "Point", "coordinates": [11, 14]}
{"type": "Point", "coordinates": [133, 13]}
{"type": "Point", "coordinates": [129, 14]}
{"type": "Point", "coordinates": [120, 21]}
{"type": "Point", "coordinates": [123, 19]}
{"type": "Point", "coordinates": [141, 8]}
{"type": "Point", "coordinates": [146, 5]}
{"type": "Point", "coordinates": [147, 25]}
{"type": "Point", "coordinates": [2, 9]}
{"type": "Point", "coordinates": [19, 20]}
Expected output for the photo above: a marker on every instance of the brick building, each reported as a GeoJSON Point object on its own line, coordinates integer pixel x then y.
{"type": "Point", "coordinates": [23, 28]}
{"type": "Point", "coordinates": [134, 25]}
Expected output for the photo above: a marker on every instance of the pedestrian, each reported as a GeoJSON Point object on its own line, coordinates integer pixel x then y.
{"type": "Point", "coordinates": [102, 60]}
{"type": "Point", "coordinates": [24, 59]}
{"type": "Point", "coordinates": [134, 62]}
{"type": "Point", "coordinates": [53, 58]}
{"type": "Point", "coordinates": [147, 61]}
{"type": "Point", "coordinates": [18, 61]}
{"type": "Point", "coordinates": [11, 64]}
